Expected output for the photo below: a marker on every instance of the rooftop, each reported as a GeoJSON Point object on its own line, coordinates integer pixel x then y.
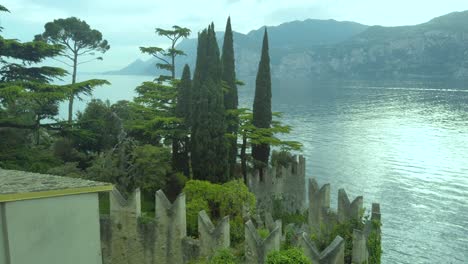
{"type": "Point", "coordinates": [20, 185]}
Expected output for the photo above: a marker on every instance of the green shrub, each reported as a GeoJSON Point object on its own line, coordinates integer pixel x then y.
{"type": "Point", "coordinates": [224, 256]}
{"type": "Point", "coordinates": [263, 232]}
{"type": "Point", "coordinates": [218, 201]}
{"type": "Point", "coordinates": [289, 256]}
{"type": "Point", "coordinates": [281, 158]}
{"type": "Point", "coordinates": [374, 243]}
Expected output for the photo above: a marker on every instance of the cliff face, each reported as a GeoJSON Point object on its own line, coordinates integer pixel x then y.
{"type": "Point", "coordinates": [437, 49]}
{"type": "Point", "coordinates": [324, 49]}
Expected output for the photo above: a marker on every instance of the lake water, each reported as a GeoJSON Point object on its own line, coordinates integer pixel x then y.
{"type": "Point", "coordinates": [404, 146]}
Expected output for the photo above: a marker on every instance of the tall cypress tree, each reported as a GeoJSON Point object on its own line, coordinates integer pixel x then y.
{"type": "Point", "coordinates": [184, 110]}
{"type": "Point", "coordinates": [230, 96]}
{"type": "Point", "coordinates": [209, 152]}
{"type": "Point", "coordinates": [262, 115]}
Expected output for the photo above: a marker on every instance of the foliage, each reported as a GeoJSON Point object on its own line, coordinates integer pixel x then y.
{"type": "Point", "coordinates": [183, 110]}
{"type": "Point", "coordinates": [69, 169]}
{"type": "Point", "coordinates": [102, 125]}
{"type": "Point", "coordinates": [326, 235]}
{"type": "Point", "coordinates": [156, 122]}
{"type": "Point", "coordinates": [223, 256]}
{"type": "Point", "coordinates": [263, 232]}
{"type": "Point", "coordinates": [288, 256]}
{"type": "Point", "coordinates": [252, 135]}
{"type": "Point", "coordinates": [230, 95]}
{"type": "Point", "coordinates": [374, 243]}
{"type": "Point", "coordinates": [174, 35]}
{"type": "Point", "coordinates": [262, 115]}
{"type": "Point", "coordinates": [281, 158]}
{"type": "Point", "coordinates": [209, 151]}
{"type": "Point", "coordinates": [77, 39]}
{"type": "Point", "coordinates": [218, 201]}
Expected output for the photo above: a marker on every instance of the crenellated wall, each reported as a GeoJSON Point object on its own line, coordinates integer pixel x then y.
{"type": "Point", "coordinates": [128, 238]}
{"type": "Point", "coordinates": [257, 248]}
{"type": "Point", "coordinates": [286, 185]}
{"type": "Point", "coordinates": [333, 254]}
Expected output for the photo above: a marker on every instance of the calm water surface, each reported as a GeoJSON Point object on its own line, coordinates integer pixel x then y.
{"type": "Point", "coordinates": [403, 146]}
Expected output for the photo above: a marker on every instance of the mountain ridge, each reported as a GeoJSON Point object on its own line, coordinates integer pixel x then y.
{"type": "Point", "coordinates": [315, 48]}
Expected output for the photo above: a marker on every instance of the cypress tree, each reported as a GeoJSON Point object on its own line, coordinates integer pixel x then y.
{"type": "Point", "coordinates": [230, 96]}
{"type": "Point", "coordinates": [262, 115]}
{"type": "Point", "coordinates": [209, 152]}
{"type": "Point", "coordinates": [183, 110]}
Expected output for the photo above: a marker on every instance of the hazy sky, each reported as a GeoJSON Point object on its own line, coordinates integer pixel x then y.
{"type": "Point", "coordinates": [128, 24]}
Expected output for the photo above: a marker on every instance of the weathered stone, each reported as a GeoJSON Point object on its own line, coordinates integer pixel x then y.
{"type": "Point", "coordinates": [212, 238]}
{"type": "Point", "coordinates": [333, 254]}
{"type": "Point", "coordinates": [360, 253]}
{"type": "Point", "coordinates": [280, 184]}
{"type": "Point", "coordinates": [271, 224]}
{"type": "Point", "coordinates": [126, 246]}
{"type": "Point", "coordinates": [171, 228]}
{"type": "Point", "coordinates": [319, 203]}
{"type": "Point", "coordinates": [346, 209]}
{"type": "Point", "coordinates": [191, 249]}
{"type": "Point", "coordinates": [256, 248]}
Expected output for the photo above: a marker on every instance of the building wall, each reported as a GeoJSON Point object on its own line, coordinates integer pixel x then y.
{"type": "Point", "coordinates": [3, 253]}
{"type": "Point", "coordinates": [54, 230]}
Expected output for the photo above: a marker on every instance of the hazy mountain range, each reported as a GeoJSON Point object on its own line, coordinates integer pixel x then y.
{"type": "Point", "coordinates": [323, 49]}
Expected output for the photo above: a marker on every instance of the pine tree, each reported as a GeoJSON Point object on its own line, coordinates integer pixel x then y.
{"type": "Point", "coordinates": [262, 115]}
{"type": "Point", "coordinates": [183, 110]}
{"type": "Point", "coordinates": [208, 146]}
{"type": "Point", "coordinates": [230, 96]}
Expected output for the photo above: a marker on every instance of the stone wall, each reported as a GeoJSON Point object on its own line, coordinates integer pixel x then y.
{"type": "Point", "coordinates": [257, 248]}
{"type": "Point", "coordinates": [320, 217]}
{"type": "Point", "coordinates": [285, 185]}
{"type": "Point", "coordinates": [127, 238]}
{"type": "Point", "coordinates": [333, 254]}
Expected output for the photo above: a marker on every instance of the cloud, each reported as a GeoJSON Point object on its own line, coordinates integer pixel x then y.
{"type": "Point", "coordinates": [128, 24]}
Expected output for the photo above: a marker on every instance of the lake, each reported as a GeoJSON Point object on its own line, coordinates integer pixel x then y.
{"type": "Point", "coordinates": [404, 146]}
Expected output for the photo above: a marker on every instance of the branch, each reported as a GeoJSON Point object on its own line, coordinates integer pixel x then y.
{"type": "Point", "coordinates": [63, 62]}
{"type": "Point", "coordinates": [98, 58]}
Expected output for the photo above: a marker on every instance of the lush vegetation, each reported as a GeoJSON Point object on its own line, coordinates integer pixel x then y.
{"type": "Point", "coordinates": [287, 256]}
{"type": "Point", "coordinates": [228, 199]}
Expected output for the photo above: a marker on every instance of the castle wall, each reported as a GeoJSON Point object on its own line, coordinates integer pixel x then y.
{"type": "Point", "coordinates": [128, 238]}
{"type": "Point", "coordinates": [212, 238]}
{"type": "Point", "coordinates": [286, 185]}
{"type": "Point", "coordinates": [256, 248]}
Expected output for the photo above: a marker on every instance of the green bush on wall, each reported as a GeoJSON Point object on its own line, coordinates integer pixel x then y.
{"type": "Point", "coordinates": [218, 201]}
{"type": "Point", "coordinates": [288, 256]}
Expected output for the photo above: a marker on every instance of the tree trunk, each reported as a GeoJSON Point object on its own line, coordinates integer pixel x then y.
{"type": "Point", "coordinates": [72, 95]}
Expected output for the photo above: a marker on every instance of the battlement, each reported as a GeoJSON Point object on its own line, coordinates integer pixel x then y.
{"type": "Point", "coordinates": [348, 210]}
{"type": "Point", "coordinates": [333, 254]}
{"type": "Point", "coordinates": [319, 203]}
{"type": "Point", "coordinates": [212, 238]}
{"type": "Point", "coordinates": [256, 248]}
{"type": "Point", "coordinates": [283, 184]}
{"type": "Point", "coordinates": [127, 237]}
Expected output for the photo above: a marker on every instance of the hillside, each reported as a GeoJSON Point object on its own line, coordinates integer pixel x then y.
{"type": "Point", "coordinates": [285, 38]}
{"type": "Point", "coordinates": [317, 49]}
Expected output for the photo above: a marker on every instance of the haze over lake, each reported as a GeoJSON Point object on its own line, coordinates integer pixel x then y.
{"type": "Point", "coordinates": [401, 145]}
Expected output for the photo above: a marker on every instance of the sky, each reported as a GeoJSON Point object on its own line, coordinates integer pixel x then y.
{"type": "Point", "coordinates": [129, 24]}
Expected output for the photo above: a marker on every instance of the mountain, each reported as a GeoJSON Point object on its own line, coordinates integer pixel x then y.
{"type": "Point", "coordinates": [325, 49]}
{"type": "Point", "coordinates": [285, 38]}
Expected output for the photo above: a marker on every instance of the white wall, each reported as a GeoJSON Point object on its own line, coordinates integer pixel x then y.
{"type": "Point", "coordinates": [54, 230]}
